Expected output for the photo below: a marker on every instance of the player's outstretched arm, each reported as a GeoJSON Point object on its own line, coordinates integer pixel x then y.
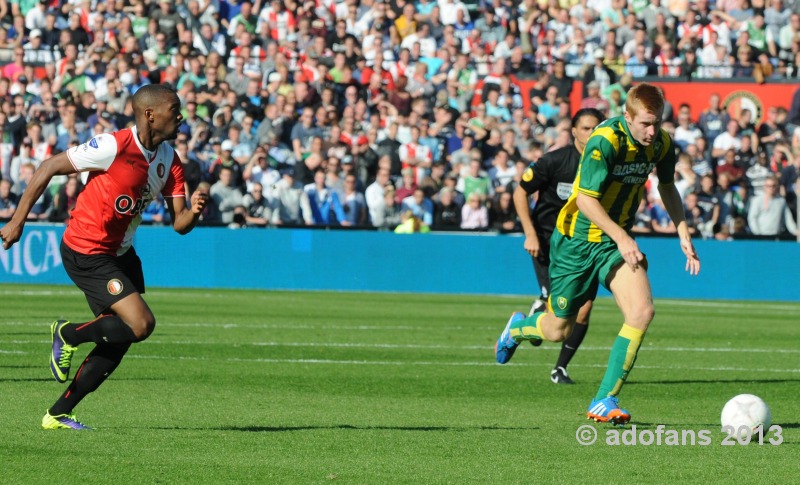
{"type": "Point", "coordinates": [674, 205]}
{"type": "Point", "coordinates": [56, 165]}
{"type": "Point", "coordinates": [185, 218]}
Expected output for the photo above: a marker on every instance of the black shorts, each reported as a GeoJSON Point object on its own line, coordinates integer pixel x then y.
{"type": "Point", "coordinates": [103, 278]}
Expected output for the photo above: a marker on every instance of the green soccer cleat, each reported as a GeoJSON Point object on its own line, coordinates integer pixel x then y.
{"type": "Point", "coordinates": [61, 354]}
{"type": "Point", "coordinates": [62, 421]}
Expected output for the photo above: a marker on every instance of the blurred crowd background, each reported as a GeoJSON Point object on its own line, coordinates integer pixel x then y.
{"type": "Point", "coordinates": [400, 115]}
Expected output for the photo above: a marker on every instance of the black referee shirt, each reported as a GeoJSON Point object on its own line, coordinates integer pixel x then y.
{"type": "Point", "coordinates": [552, 176]}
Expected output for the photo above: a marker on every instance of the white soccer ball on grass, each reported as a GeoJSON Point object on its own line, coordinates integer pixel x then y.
{"type": "Point", "coordinates": [745, 410]}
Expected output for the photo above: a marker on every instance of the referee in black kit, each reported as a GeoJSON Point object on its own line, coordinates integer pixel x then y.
{"type": "Point", "coordinates": [552, 177]}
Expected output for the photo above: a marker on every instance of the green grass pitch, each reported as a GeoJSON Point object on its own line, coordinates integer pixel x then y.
{"type": "Point", "coordinates": [308, 387]}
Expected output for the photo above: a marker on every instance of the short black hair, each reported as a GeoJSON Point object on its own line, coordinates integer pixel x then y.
{"type": "Point", "coordinates": [152, 95]}
{"type": "Point", "coordinates": [587, 112]}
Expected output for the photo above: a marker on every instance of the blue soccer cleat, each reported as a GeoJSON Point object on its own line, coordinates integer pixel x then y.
{"type": "Point", "coordinates": [61, 354]}
{"type": "Point", "coordinates": [608, 411]}
{"type": "Point", "coordinates": [505, 346]}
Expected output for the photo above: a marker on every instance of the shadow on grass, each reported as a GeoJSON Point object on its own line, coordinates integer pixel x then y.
{"type": "Point", "coordinates": [20, 366]}
{"type": "Point", "coordinates": [50, 379]}
{"type": "Point", "coordinates": [30, 379]}
{"type": "Point", "coordinates": [714, 381]}
{"type": "Point", "coordinates": [277, 429]}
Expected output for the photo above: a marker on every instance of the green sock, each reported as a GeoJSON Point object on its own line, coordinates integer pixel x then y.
{"type": "Point", "coordinates": [620, 362]}
{"type": "Point", "coordinates": [527, 328]}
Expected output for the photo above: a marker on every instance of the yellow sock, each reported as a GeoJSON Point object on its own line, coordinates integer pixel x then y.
{"type": "Point", "coordinates": [528, 328]}
{"type": "Point", "coordinates": [621, 360]}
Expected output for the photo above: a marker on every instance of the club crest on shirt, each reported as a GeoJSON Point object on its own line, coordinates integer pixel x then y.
{"type": "Point", "coordinates": [114, 287]}
{"type": "Point", "coordinates": [562, 302]}
{"type": "Point", "coordinates": [93, 143]}
{"type": "Point", "coordinates": [527, 175]}
{"type": "Point", "coordinates": [160, 169]}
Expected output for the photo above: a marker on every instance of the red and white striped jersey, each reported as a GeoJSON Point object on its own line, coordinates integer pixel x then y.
{"type": "Point", "coordinates": [409, 151]}
{"type": "Point", "coordinates": [278, 24]}
{"type": "Point", "coordinates": [121, 177]}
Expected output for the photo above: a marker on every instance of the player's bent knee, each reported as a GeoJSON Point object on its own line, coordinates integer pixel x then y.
{"type": "Point", "coordinates": [143, 327]}
{"type": "Point", "coordinates": [641, 316]}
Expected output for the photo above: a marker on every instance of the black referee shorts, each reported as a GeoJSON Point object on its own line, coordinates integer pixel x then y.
{"type": "Point", "coordinates": [103, 278]}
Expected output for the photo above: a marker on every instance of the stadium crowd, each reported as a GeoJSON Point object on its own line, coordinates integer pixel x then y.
{"type": "Point", "coordinates": [397, 114]}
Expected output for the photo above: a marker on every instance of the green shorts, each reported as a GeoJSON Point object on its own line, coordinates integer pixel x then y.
{"type": "Point", "coordinates": [576, 269]}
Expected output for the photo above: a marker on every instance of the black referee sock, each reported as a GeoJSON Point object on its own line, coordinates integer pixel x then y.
{"type": "Point", "coordinates": [99, 364]}
{"type": "Point", "coordinates": [108, 329]}
{"type": "Point", "coordinates": [570, 346]}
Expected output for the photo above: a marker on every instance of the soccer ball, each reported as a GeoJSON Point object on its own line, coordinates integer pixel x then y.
{"type": "Point", "coordinates": [746, 410]}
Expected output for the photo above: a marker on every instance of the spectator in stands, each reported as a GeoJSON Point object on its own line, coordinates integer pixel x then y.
{"type": "Point", "coordinates": [447, 214]}
{"type": "Point", "coordinates": [599, 73]}
{"type": "Point", "coordinates": [155, 212]}
{"type": "Point", "coordinates": [291, 203]}
{"type": "Point", "coordinates": [502, 172]}
{"type": "Point", "coordinates": [667, 63]}
{"type": "Point", "coordinates": [420, 206]}
{"type": "Point", "coordinates": [258, 209]}
{"type": "Point", "coordinates": [770, 133]}
{"type": "Point", "coordinates": [410, 224]}
{"type": "Point", "coordinates": [503, 216]}
{"type": "Point", "coordinates": [730, 139]}
{"type": "Point", "coordinates": [374, 197]}
{"type": "Point", "coordinates": [8, 200]}
{"type": "Point", "coordinates": [639, 64]}
{"type": "Point", "coordinates": [708, 200]}
{"type": "Point", "coordinates": [593, 99]}
{"type": "Point", "coordinates": [756, 175]}
{"type": "Point", "coordinates": [474, 214]}
{"type": "Point", "coordinates": [475, 180]}
{"type": "Point", "coordinates": [225, 196]}
{"type": "Point", "coordinates": [659, 218]}
{"type": "Point", "coordinates": [353, 202]}
{"type": "Point", "coordinates": [549, 109]}
{"type": "Point", "coordinates": [686, 133]}
{"type": "Point", "coordinates": [766, 213]}
{"type": "Point", "coordinates": [788, 179]}
{"type": "Point", "coordinates": [713, 120]}
{"type": "Point", "coordinates": [390, 217]}
{"type": "Point", "coordinates": [325, 203]}
{"type": "Point", "coordinates": [696, 217]}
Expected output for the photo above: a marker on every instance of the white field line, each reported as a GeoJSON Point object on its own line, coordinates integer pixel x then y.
{"type": "Point", "coordinates": [549, 347]}
{"type": "Point", "coordinates": [458, 364]}
{"type": "Point", "coordinates": [429, 363]}
{"type": "Point", "coordinates": [764, 306]}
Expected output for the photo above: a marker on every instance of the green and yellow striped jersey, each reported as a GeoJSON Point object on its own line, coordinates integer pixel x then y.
{"type": "Point", "coordinates": [614, 169]}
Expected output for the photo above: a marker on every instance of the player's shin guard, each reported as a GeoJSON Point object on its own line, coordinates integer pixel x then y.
{"type": "Point", "coordinates": [620, 362]}
{"type": "Point", "coordinates": [99, 364]}
{"type": "Point", "coordinates": [527, 328]}
{"type": "Point", "coordinates": [105, 329]}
